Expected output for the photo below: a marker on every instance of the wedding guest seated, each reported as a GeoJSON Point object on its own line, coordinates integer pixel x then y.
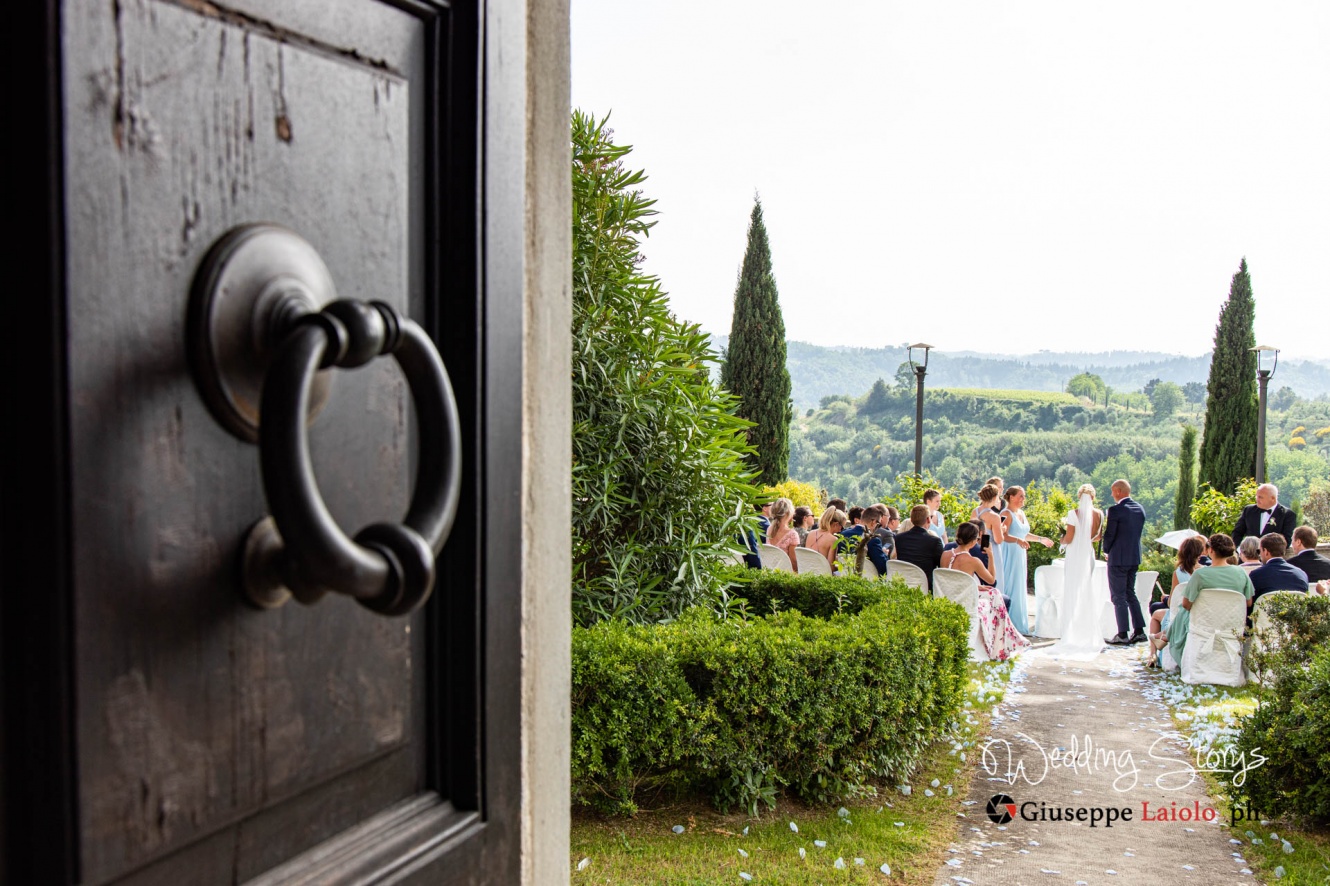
{"type": "Point", "coordinates": [1275, 573]}
{"type": "Point", "coordinates": [1305, 556]}
{"type": "Point", "coordinates": [781, 534]}
{"type": "Point", "coordinates": [853, 530]}
{"type": "Point", "coordinates": [823, 539]}
{"type": "Point", "coordinates": [839, 504]}
{"type": "Point", "coordinates": [1001, 639]}
{"type": "Point", "coordinates": [803, 522]}
{"type": "Point", "coordinates": [748, 538]}
{"type": "Point", "coordinates": [919, 546]}
{"type": "Point", "coordinates": [1232, 578]}
{"type": "Point", "coordinates": [763, 521]}
{"type": "Point", "coordinates": [887, 529]}
{"type": "Point", "coordinates": [870, 544]}
{"type": "Point", "coordinates": [977, 549]}
{"type": "Point", "coordinates": [1189, 555]}
{"type": "Point", "coordinates": [1249, 553]}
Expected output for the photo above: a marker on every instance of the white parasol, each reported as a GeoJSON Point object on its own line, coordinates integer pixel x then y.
{"type": "Point", "coordinates": [1175, 538]}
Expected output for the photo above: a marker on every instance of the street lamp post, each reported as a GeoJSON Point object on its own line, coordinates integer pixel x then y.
{"type": "Point", "coordinates": [1264, 355]}
{"type": "Point", "coordinates": [919, 370]}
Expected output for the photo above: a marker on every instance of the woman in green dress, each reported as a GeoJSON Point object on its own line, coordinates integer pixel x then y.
{"type": "Point", "coordinates": [1220, 575]}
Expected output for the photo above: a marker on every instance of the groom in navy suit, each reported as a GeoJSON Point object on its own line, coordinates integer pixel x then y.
{"type": "Point", "coordinates": [1122, 545]}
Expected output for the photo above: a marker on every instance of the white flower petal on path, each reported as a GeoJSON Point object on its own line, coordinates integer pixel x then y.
{"type": "Point", "coordinates": [743, 853]}
{"type": "Point", "coordinates": [802, 852]}
{"type": "Point", "coordinates": [678, 829]}
{"type": "Point", "coordinates": [843, 812]}
{"type": "Point", "coordinates": [1288, 848]}
{"type": "Point", "coordinates": [820, 844]}
{"type": "Point", "coordinates": [886, 869]}
{"type": "Point", "coordinates": [745, 876]}
{"type": "Point", "coordinates": [581, 865]}
{"type": "Point", "coordinates": [1279, 872]}
{"type": "Point", "coordinates": [839, 864]}
{"type": "Point", "coordinates": [859, 861]}
{"type": "Point", "coordinates": [794, 827]}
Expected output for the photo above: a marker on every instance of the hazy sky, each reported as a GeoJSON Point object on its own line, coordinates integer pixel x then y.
{"type": "Point", "coordinates": [995, 176]}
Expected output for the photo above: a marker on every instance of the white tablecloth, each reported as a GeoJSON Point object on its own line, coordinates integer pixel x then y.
{"type": "Point", "coordinates": [1053, 579]}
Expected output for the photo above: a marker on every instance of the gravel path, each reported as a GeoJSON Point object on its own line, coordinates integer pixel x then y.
{"type": "Point", "coordinates": [1054, 709]}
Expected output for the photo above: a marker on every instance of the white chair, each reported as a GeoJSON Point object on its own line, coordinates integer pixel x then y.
{"type": "Point", "coordinates": [774, 558]}
{"type": "Point", "coordinates": [811, 562]}
{"type": "Point", "coordinates": [909, 573]}
{"type": "Point", "coordinates": [1263, 627]}
{"type": "Point", "coordinates": [1047, 603]}
{"type": "Point", "coordinates": [870, 571]}
{"type": "Point", "coordinates": [963, 588]}
{"type": "Point", "coordinates": [1213, 654]}
{"type": "Point", "coordinates": [1145, 591]}
{"type": "Point", "coordinates": [734, 555]}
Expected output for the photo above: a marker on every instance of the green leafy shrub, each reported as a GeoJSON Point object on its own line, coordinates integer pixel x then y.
{"type": "Point", "coordinates": [742, 709]}
{"type": "Point", "coordinates": [1213, 511]}
{"type": "Point", "coordinates": [955, 505]}
{"type": "Point", "coordinates": [1291, 725]}
{"type": "Point", "coordinates": [659, 481]}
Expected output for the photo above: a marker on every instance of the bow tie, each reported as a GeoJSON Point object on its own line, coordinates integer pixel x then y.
{"type": "Point", "coordinates": [1268, 511]}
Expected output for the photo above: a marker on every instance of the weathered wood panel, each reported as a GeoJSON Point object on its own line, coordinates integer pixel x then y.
{"type": "Point", "coordinates": [194, 713]}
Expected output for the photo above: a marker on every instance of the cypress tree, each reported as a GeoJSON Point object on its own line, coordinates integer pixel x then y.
{"type": "Point", "coordinates": [754, 369]}
{"type": "Point", "coordinates": [1186, 479]}
{"type": "Point", "coordinates": [1228, 452]}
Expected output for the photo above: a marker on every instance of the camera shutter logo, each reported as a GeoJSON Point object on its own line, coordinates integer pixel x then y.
{"type": "Point", "coordinates": [1001, 809]}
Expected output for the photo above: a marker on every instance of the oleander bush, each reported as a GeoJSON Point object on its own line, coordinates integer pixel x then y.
{"type": "Point", "coordinates": [1291, 724]}
{"type": "Point", "coordinates": [660, 482]}
{"type": "Point", "coordinates": [742, 709]}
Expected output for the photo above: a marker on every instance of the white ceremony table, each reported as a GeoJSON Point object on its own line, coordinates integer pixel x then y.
{"type": "Point", "coordinates": [1054, 579]}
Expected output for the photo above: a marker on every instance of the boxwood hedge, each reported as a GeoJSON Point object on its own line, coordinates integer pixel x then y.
{"type": "Point", "coordinates": [744, 708]}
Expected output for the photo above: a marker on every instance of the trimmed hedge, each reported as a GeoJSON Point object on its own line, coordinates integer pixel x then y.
{"type": "Point", "coordinates": [823, 596]}
{"type": "Point", "coordinates": [742, 709]}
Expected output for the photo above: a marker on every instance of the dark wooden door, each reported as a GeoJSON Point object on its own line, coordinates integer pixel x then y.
{"type": "Point", "coordinates": [157, 728]}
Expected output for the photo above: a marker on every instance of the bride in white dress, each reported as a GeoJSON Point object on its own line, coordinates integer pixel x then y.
{"type": "Point", "coordinates": [1081, 636]}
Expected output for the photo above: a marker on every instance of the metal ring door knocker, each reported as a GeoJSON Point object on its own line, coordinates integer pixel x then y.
{"type": "Point", "coordinates": [264, 321]}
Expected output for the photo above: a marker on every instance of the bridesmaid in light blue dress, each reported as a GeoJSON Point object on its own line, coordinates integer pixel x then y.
{"type": "Point", "coordinates": [1014, 565]}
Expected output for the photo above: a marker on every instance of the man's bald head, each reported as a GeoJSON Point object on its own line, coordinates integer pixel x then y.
{"type": "Point", "coordinates": [1267, 496]}
{"type": "Point", "coordinates": [1121, 489]}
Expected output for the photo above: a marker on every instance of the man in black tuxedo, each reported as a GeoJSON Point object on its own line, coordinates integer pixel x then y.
{"type": "Point", "coordinates": [1305, 556]}
{"type": "Point", "coordinates": [1122, 546]}
{"type": "Point", "coordinates": [1275, 573]}
{"type": "Point", "coordinates": [1267, 515]}
{"type": "Point", "coordinates": [918, 545]}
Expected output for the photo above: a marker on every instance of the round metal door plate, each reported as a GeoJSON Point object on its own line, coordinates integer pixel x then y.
{"type": "Point", "coordinates": [250, 285]}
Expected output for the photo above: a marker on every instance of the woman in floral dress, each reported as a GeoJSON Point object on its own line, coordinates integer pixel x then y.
{"type": "Point", "coordinates": [1001, 639]}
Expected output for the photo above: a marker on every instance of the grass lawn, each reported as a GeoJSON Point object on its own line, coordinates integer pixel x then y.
{"type": "Point", "coordinates": [1212, 715]}
{"type": "Point", "coordinates": [910, 833]}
